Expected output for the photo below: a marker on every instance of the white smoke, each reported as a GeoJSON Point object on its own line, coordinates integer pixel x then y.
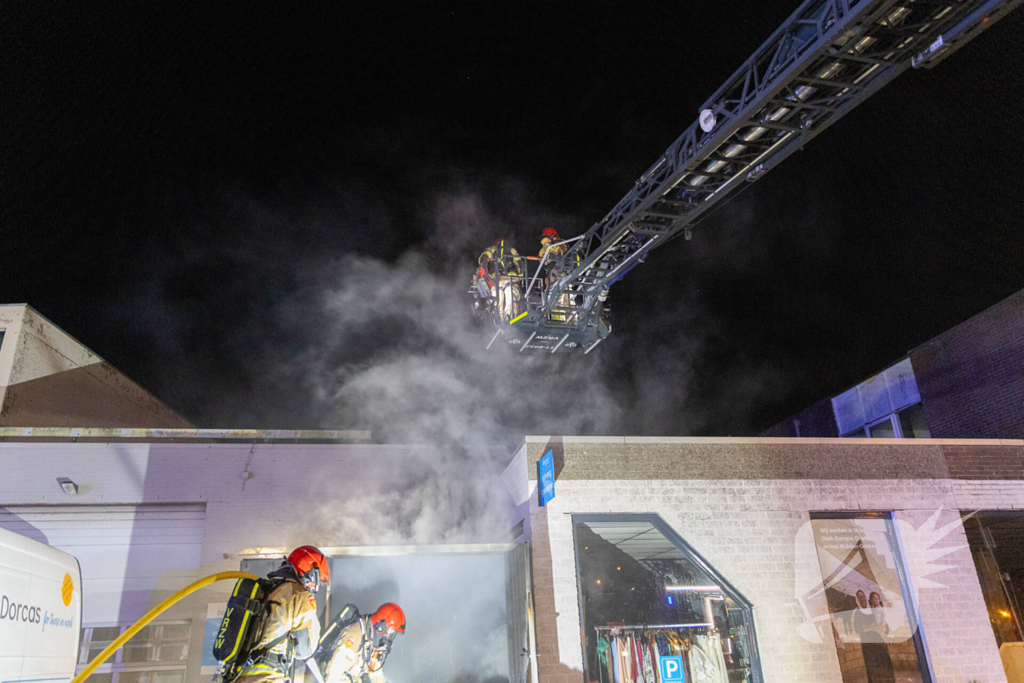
{"type": "Point", "coordinates": [325, 337]}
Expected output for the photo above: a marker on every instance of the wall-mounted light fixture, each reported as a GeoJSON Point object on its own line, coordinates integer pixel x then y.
{"type": "Point", "coordinates": [69, 487]}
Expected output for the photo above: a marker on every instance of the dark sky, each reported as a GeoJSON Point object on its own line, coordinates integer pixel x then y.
{"type": "Point", "coordinates": [173, 172]}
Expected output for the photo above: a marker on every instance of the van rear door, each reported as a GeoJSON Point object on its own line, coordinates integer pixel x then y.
{"type": "Point", "coordinates": [40, 611]}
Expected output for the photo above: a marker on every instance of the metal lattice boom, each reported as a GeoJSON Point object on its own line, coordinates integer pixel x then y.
{"type": "Point", "coordinates": [829, 56]}
{"type": "Point", "coordinates": [825, 59]}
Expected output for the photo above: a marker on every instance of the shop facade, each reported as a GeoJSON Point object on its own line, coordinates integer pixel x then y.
{"type": "Point", "coordinates": [776, 560]}
{"type": "Point", "coordinates": [852, 561]}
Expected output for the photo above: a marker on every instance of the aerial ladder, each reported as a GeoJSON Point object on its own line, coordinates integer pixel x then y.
{"type": "Point", "coordinates": [825, 59]}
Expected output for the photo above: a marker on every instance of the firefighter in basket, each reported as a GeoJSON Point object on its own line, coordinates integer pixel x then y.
{"type": "Point", "coordinates": [548, 237]}
{"type": "Point", "coordinates": [499, 277]}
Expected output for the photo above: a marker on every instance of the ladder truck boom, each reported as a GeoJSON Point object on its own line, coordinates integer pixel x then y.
{"type": "Point", "coordinates": [825, 59]}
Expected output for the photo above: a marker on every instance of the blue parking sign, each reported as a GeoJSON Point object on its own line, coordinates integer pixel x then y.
{"type": "Point", "coordinates": [672, 670]}
{"type": "Point", "coordinates": [546, 468]}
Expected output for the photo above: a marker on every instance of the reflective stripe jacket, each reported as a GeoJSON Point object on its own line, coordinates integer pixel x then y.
{"type": "Point", "coordinates": [292, 610]}
{"type": "Point", "coordinates": [555, 252]}
{"type": "Point", "coordinates": [347, 663]}
{"type": "Point", "coordinates": [497, 266]}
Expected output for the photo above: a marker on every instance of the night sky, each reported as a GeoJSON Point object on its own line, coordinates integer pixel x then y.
{"type": "Point", "coordinates": [179, 180]}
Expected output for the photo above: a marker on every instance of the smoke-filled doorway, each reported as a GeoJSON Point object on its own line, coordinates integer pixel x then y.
{"type": "Point", "coordinates": [465, 607]}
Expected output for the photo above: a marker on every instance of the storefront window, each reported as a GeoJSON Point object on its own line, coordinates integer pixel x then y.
{"type": "Point", "coordinates": [646, 596]}
{"type": "Point", "coordinates": [997, 545]}
{"type": "Point", "coordinates": [873, 619]}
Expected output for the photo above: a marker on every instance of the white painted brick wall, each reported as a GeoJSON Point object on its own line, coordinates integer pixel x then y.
{"type": "Point", "coordinates": [747, 531]}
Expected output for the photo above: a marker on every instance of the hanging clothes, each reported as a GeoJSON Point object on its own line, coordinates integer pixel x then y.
{"type": "Point", "coordinates": [638, 657]}
{"type": "Point", "coordinates": [707, 662]}
{"type": "Point", "coordinates": [648, 659]}
{"type": "Point", "coordinates": [655, 657]}
{"type": "Point", "coordinates": [616, 675]}
{"type": "Point", "coordinates": [662, 642]}
{"type": "Point", "coordinates": [633, 655]}
{"type": "Point", "coordinates": [625, 660]}
{"type": "Point", "coordinates": [602, 659]}
{"type": "Point", "coordinates": [675, 642]}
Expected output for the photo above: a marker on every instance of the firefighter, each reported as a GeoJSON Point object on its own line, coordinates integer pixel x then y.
{"type": "Point", "coordinates": [549, 236]}
{"type": "Point", "coordinates": [364, 645]}
{"type": "Point", "coordinates": [291, 631]}
{"type": "Point", "coordinates": [491, 260]}
{"type": "Point", "coordinates": [502, 276]}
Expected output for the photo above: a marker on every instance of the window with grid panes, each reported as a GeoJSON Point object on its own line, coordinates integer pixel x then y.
{"type": "Point", "coordinates": [144, 658]}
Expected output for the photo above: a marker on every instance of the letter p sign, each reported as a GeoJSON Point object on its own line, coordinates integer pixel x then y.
{"type": "Point", "coordinates": [672, 670]}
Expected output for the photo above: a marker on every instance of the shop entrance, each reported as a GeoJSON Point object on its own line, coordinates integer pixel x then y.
{"type": "Point", "coordinates": [465, 606]}
{"type": "Point", "coordinates": [996, 538]}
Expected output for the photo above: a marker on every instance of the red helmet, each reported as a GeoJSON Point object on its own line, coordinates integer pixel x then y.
{"type": "Point", "coordinates": [549, 232]}
{"type": "Point", "coordinates": [387, 622]}
{"type": "Point", "coordinates": [311, 566]}
{"type": "Point", "coordinates": [392, 615]}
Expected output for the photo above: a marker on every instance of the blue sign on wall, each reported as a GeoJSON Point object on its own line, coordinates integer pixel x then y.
{"type": "Point", "coordinates": [546, 468]}
{"type": "Point", "coordinates": [672, 670]}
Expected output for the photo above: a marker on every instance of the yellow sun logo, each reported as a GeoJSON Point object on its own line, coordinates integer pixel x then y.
{"type": "Point", "coordinates": [67, 589]}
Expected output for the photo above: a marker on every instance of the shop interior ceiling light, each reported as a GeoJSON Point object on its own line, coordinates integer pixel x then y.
{"type": "Point", "coordinates": [70, 487]}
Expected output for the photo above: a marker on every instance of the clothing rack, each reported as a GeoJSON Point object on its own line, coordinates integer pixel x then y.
{"type": "Point", "coordinates": [643, 627]}
{"type": "Point", "coordinates": [650, 627]}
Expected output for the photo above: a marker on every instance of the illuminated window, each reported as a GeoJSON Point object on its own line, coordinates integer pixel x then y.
{"type": "Point", "coordinates": [640, 583]}
{"type": "Point", "coordinates": [908, 423]}
{"type": "Point", "coordinates": [886, 406]}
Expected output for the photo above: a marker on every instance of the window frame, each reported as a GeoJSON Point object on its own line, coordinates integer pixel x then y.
{"type": "Point", "coordinates": [924, 660]}
{"type": "Point", "coordinates": [115, 665]}
{"type": "Point", "coordinates": [864, 431]}
{"type": "Point", "coordinates": [655, 520]}
{"type": "Point", "coordinates": [897, 429]}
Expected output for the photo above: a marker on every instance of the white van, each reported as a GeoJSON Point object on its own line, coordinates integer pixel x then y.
{"type": "Point", "coordinates": [40, 611]}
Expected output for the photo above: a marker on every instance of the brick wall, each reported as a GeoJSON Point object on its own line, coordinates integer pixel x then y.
{"type": "Point", "coordinates": [749, 529]}
{"type": "Point", "coordinates": [986, 461]}
{"type": "Point", "coordinates": [971, 378]}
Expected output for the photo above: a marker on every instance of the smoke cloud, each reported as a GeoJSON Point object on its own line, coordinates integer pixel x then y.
{"type": "Point", "coordinates": [320, 318]}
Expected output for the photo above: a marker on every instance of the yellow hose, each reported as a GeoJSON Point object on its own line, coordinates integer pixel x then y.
{"type": "Point", "coordinates": [153, 614]}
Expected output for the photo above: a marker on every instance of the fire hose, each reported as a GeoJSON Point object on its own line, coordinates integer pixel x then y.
{"type": "Point", "coordinates": [153, 614]}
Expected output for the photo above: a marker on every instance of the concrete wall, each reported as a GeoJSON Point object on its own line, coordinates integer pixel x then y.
{"type": "Point", "coordinates": [10, 322]}
{"type": "Point", "coordinates": [741, 502]}
{"type": "Point", "coordinates": [49, 379]}
{"type": "Point", "coordinates": [971, 378]}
